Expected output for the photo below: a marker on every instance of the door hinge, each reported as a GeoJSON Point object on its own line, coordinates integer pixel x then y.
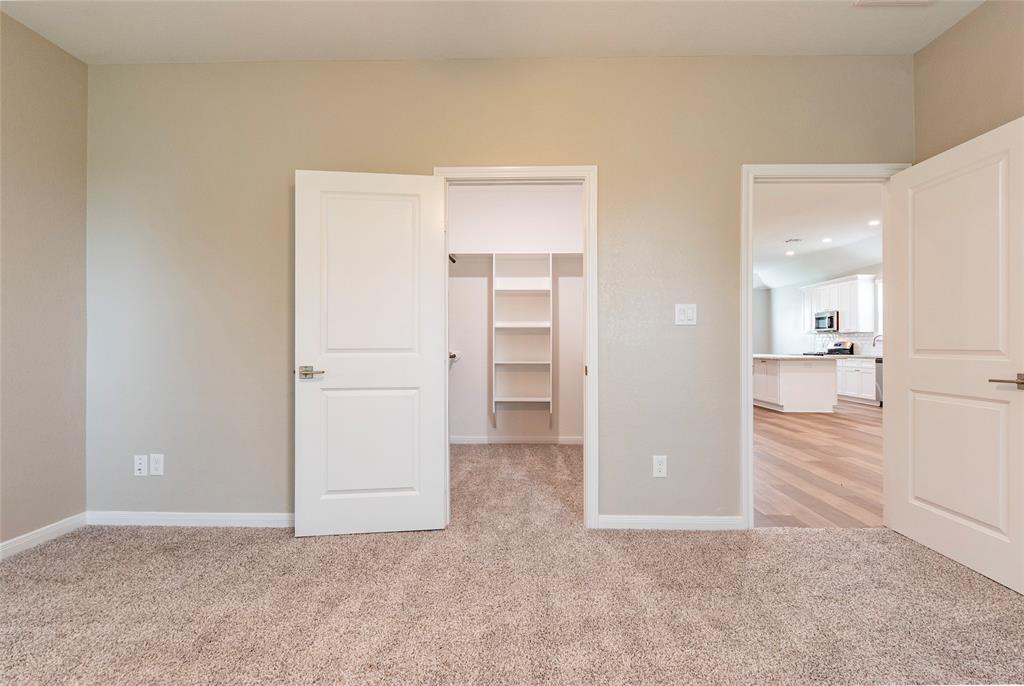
{"type": "Point", "coordinates": [585, 370]}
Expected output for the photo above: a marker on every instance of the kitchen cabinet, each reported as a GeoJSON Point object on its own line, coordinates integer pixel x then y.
{"type": "Point", "coordinates": [794, 383]}
{"type": "Point", "coordinates": [766, 380]}
{"type": "Point", "coordinates": [852, 296]}
{"type": "Point", "coordinates": [855, 380]}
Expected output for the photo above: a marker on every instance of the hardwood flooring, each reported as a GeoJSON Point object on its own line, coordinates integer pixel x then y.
{"type": "Point", "coordinates": [818, 470]}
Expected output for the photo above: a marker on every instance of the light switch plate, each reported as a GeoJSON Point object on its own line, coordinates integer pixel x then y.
{"type": "Point", "coordinates": [686, 315]}
{"type": "Point", "coordinates": [156, 464]}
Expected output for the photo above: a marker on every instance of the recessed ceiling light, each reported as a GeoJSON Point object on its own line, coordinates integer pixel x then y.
{"type": "Point", "coordinates": [874, 222]}
{"type": "Point", "coordinates": [790, 253]}
{"type": "Point", "coordinates": [826, 240]}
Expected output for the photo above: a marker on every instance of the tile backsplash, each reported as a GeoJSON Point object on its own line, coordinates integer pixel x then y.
{"type": "Point", "coordinates": [861, 342]}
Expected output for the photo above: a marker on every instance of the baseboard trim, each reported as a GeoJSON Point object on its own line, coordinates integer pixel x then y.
{"type": "Point", "coordinates": [20, 544]}
{"type": "Point", "coordinates": [498, 440]}
{"type": "Point", "coordinates": [670, 522]}
{"type": "Point", "coordinates": [227, 519]}
{"type": "Point", "coordinates": [861, 401]}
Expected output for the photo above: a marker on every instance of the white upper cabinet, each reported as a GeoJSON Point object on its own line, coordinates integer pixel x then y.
{"type": "Point", "coordinates": [852, 296]}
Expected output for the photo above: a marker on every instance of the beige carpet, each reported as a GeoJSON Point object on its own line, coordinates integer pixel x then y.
{"type": "Point", "coordinates": [515, 591]}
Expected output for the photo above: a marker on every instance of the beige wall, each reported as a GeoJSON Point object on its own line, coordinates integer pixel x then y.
{"type": "Point", "coordinates": [42, 281]}
{"type": "Point", "coordinates": [970, 79]}
{"type": "Point", "coordinates": [190, 242]}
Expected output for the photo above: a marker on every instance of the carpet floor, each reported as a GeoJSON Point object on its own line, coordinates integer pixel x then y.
{"type": "Point", "coordinates": [515, 591]}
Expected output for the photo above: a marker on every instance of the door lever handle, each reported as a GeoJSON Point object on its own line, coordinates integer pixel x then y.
{"type": "Point", "coordinates": [307, 372]}
{"type": "Point", "coordinates": [1019, 381]}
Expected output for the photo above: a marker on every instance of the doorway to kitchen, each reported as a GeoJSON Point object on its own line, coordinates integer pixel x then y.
{"type": "Point", "coordinates": [813, 344]}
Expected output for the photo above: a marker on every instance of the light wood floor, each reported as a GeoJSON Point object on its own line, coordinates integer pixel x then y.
{"type": "Point", "coordinates": [818, 470]}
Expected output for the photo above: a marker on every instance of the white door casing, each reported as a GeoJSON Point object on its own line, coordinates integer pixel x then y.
{"type": "Point", "coordinates": [370, 313]}
{"type": "Point", "coordinates": [954, 448]}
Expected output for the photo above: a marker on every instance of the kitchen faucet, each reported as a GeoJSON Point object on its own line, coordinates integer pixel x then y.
{"type": "Point", "coordinates": [874, 341]}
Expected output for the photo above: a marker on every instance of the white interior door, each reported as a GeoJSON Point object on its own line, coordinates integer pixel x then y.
{"type": "Point", "coordinates": [371, 437]}
{"type": "Point", "coordinates": [954, 255]}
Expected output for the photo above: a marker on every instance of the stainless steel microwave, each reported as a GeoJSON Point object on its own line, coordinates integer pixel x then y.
{"type": "Point", "coordinates": [826, 320]}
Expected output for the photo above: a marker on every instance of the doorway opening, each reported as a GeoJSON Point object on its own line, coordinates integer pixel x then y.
{"type": "Point", "coordinates": [522, 325]}
{"type": "Point", "coordinates": [813, 344]}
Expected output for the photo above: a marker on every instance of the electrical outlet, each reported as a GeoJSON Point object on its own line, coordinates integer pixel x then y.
{"type": "Point", "coordinates": [156, 464]}
{"type": "Point", "coordinates": [660, 466]}
{"type": "Point", "coordinates": [142, 465]}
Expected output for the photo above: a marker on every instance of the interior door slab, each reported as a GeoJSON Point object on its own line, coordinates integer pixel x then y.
{"type": "Point", "coordinates": [370, 325]}
{"type": "Point", "coordinates": [954, 451]}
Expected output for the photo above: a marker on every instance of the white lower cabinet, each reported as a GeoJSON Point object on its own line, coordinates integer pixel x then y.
{"type": "Point", "coordinates": [794, 383]}
{"type": "Point", "coordinates": [855, 379]}
{"type": "Point", "coordinates": [766, 380]}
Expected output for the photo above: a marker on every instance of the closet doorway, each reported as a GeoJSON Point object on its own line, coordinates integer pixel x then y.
{"type": "Point", "coordinates": [522, 310]}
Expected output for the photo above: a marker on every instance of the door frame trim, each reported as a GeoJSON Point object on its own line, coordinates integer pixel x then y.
{"type": "Point", "coordinates": [774, 173]}
{"type": "Point", "coordinates": [587, 175]}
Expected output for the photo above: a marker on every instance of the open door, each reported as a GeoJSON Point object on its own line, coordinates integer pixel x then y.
{"type": "Point", "coordinates": [954, 347]}
{"type": "Point", "coordinates": [371, 437]}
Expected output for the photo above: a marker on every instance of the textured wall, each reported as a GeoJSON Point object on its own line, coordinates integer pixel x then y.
{"type": "Point", "coordinates": [970, 79]}
{"type": "Point", "coordinates": [190, 242]}
{"type": "Point", "coordinates": [42, 281]}
{"type": "Point", "coordinates": [761, 320]}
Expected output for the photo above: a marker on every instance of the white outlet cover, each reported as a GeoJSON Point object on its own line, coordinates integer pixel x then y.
{"type": "Point", "coordinates": [141, 465]}
{"type": "Point", "coordinates": [156, 464]}
{"type": "Point", "coordinates": [660, 466]}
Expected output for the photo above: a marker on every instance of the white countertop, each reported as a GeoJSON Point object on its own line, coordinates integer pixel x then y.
{"type": "Point", "coordinates": [802, 358]}
{"type": "Point", "coordinates": [858, 356]}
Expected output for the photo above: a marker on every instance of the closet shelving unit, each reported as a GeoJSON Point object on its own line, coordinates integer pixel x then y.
{"type": "Point", "coordinates": [521, 342]}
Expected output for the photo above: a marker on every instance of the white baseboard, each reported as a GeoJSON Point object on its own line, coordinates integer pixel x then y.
{"type": "Point", "coordinates": [41, 535]}
{"type": "Point", "coordinates": [232, 519]}
{"type": "Point", "coordinates": [863, 401]}
{"type": "Point", "coordinates": [670, 522]}
{"type": "Point", "coordinates": [495, 440]}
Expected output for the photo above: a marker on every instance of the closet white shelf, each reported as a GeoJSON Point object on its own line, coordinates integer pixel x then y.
{"type": "Point", "coordinates": [522, 325]}
{"type": "Point", "coordinates": [522, 303]}
{"type": "Point", "coordinates": [522, 284]}
{"type": "Point", "coordinates": [535, 362]}
{"type": "Point", "coordinates": [522, 291]}
{"type": "Point", "coordinates": [522, 400]}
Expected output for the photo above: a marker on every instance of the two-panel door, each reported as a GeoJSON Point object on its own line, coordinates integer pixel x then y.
{"type": "Point", "coordinates": [370, 353]}
{"type": "Point", "coordinates": [954, 427]}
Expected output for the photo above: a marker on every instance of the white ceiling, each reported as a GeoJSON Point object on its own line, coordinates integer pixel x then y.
{"type": "Point", "coordinates": [811, 212]}
{"type": "Point", "coordinates": [142, 31]}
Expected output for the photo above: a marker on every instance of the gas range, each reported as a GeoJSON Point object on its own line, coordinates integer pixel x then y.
{"type": "Point", "coordinates": [837, 348]}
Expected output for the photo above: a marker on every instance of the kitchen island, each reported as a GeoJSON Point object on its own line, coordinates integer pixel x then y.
{"type": "Point", "coordinates": [795, 383]}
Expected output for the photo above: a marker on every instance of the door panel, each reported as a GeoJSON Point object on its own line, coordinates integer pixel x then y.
{"type": "Point", "coordinates": [372, 247]}
{"type": "Point", "coordinates": [371, 429]}
{"type": "Point", "coordinates": [953, 314]}
{"type": "Point", "coordinates": [946, 428]}
{"type": "Point", "coordinates": [954, 250]}
{"type": "Point", "coordinates": [363, 452]}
